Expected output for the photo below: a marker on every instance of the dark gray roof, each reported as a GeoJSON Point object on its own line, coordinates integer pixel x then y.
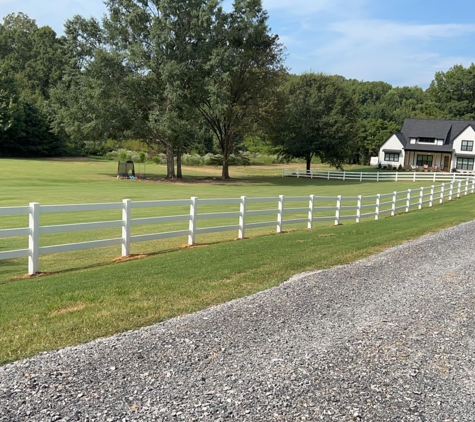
{"type": "Point", "coordinates": [439, 129]}
{"type": "Point", "coordinates": [429, 148]}
{"type": "Point", "coordinates": [401, 138]}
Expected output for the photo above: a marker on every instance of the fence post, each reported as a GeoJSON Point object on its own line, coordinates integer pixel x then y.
{"type": "Point", "coordinates": [298, 173]}
{"type": "Point", "coordinates": [344, 174]}
{"type": "Point", "coordinates": [466, 186]}
{"type": "Point", "coordinates": [328, 175]}
{"type": "Point", "coordinates": [408, 200]}
{"type": "Point", "coordinates": [126, 217]}
{"type": "Point", "coordinates": [377, 176]}
{"type": "Point", "coordinates": [378, 203]}
{"type": "Point", "coordinates": [414, 177]}
{"type": "Point", "coordinates": [242, 218]}
{"type": "Point", "coordinates": [442, 193]}
{"type": "Point", "coordinates": [453, 174]}
{"type": "Point", "coordinates": [311, 206]}
{"type": "Point", "coordinates": [397, 174]}
{"type": "Point", "coordinates": [431, 198]}
{"type": "Point", "coordinates": [393, 205]}
{"type": "Point", "coordinates": [433, 179]}
{"type": "Point", "coordinates": [311, 174]}
{"type": "Point", "coordinates": [337, 211]}
{"type": "Point", "coordinates": [361, 176]}
{"type": "Point", "coordinates": [459, 188]}
{"type": "Point", "coordinates": [421, 198]}
{"type": "Point", "coordinates": [358, 208]}
{"type": "Point", "coordinates": [451, 191]}
{"type": "Point", "coordinates": [283, 172]}
{"type": "Point", "coordinates": [473, 186]}
{"type": "Point", "coordinates": [280, 214]}
{"type": "Point", "coordinates": [192, 225]}
{"type": "Point", "coordinates": [34, 238]}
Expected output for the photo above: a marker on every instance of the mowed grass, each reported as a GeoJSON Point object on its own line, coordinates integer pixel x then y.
{"type": "Point", "coordinates": [88, 295]}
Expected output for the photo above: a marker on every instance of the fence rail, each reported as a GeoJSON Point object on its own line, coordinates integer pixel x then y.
{"type": "Point", "coordinates": [379, 176]}
{"type": "Point", "coordinates": [305, 210]}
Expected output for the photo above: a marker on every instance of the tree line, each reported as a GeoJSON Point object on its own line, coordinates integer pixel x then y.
{"type": "Point", "coordinates": [189, 75]}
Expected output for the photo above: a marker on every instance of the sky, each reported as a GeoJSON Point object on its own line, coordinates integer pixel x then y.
{"type": "Point", "coordinates": [402, 42]}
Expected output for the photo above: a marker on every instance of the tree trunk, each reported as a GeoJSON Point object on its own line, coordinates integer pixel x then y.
{"type": "Point", "coordinates": [179, 153]}
{"type": "Point", "coordinates": [225, 171]}
{"type": "Point", "coordinates": [309, 162]}
{"type": "Point", "coordinates": [226, 152]}
{"type": "Point", "coordinates": [170, 161]}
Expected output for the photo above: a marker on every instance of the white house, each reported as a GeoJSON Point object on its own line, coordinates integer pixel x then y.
{"type": "Point", "coordinates": [431, 144]}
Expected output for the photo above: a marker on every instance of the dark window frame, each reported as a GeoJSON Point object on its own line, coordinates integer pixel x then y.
{"type": "Point", "coordinates": [422, 160]}
{"type": "Point", "coordinates": [426, 140]}
{"type": "Point", "coordinates": [467, 146]}
{"type": "Point", "coordinates": [464, 163]}
{"type": "Point", "coordinates": [388, 155]}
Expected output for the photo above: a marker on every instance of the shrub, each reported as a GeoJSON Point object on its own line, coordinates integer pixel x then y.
{"type": "Point", "coordinates": [159, 159]}
{"type": "Point", "coordinates": [192, 160]}
{"type": "Point", "coordinates": [122, 155]}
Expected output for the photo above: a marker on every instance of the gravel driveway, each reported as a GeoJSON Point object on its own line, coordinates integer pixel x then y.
{"type": "Point", "coordinates": [388, 338]}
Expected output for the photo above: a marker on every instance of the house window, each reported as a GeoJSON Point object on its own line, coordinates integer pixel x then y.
{"type": "Point", "coordinates": [464, 163]}
{"type": "Point", "coordinates": [424, 159]}
{"type": "Point", "coordinates": [391, 156]}
{"type": "Point", "coordinates": [427, 140]}
{"type": "Point", "coordinates": [467, 145]}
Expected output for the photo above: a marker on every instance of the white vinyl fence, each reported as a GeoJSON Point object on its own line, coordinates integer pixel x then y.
{"type": "Point", "coordinates": [245, 212]}
{"type": "Point", "coordinates": [379, 176]}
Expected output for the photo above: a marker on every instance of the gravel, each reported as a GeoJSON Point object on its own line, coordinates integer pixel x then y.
{"type": "Point", "coordinates": [388, 338]}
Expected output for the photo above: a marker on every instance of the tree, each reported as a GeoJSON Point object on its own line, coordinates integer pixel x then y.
{"type": "Point", "coordinates": [454, 92]}
{"type": "Point", "coordinates": [371, 136]}
{"type": "Point", "coordinates": [318, 119]}
{"type": "Point", "coordinates": [32, 55]}
{"type": "Point", "coordinates": [24, 129]}
{"type": "Point", "coordinates": [221, 64]}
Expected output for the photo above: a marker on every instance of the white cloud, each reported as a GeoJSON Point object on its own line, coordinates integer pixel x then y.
{"type": "Point", "coordinates": [402, 54]}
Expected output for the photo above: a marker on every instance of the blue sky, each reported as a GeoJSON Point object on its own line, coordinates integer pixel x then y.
{"type": "Point", "coordinates": [403, 42]}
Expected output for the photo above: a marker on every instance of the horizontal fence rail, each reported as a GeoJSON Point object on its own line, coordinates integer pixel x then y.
{"type": "Point", "coordinates": [379, 176]}
{"type": "Point", "coordinates": [305, 210]}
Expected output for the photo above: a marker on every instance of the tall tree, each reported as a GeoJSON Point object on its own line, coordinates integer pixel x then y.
{"type": "Point", "coordinates": [32, 55]}
{"type": "Point", "coordinates": [24, 129]}
{"type": "Point", "coordinates": [221, 64]}
{"type": "Point", "coordinates": [319, 119]}
{"type": "Point", "coordinates": [454, 92]}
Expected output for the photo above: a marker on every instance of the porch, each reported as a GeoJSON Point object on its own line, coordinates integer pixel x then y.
{"type": "Point", "coordinates": [427, 161]}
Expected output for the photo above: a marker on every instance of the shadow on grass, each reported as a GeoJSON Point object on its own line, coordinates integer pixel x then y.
{"type": "Point", "coordinates": [126, 259]}
{"type": "Point", "coordinates": [258, 180]}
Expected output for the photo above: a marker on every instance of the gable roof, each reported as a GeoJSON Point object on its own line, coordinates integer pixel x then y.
{"type": "Point", "coordinates": [447, 130]}
{"type": "Point", "coordinates": [401, 138]}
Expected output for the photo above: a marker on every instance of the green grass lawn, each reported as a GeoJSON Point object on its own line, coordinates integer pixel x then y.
{"type": "Point", "coordinates": [88, 295]}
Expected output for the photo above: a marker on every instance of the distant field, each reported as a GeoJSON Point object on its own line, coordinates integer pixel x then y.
{"type": "Point", "coordinates": [88, 294]}
{"type": "Point", "coordinates": [90, 181]}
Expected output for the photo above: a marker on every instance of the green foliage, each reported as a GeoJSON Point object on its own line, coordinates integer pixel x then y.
{"type": "Point", "coordinates": [319, 118]}
{"type": "Point", "coordinates": [30, 64]}
{"type": "Point", "coordinates": [454, 92]}
{"type": "Point", "coordinates": [32, 55]}
{"type": "Point", "coordinates": [24, 128]}
{"type": "Point", "coordinates": [371, 135]}
{"type": "Point", "coordinates": [235, 63]}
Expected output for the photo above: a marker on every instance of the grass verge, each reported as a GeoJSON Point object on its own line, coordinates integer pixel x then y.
{"type": "Point", "coordinates": [76, 306]}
